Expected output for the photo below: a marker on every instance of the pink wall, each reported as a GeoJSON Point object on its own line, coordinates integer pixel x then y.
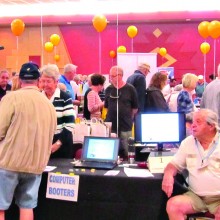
{"type": "Point", "coordinates": [181, 40]}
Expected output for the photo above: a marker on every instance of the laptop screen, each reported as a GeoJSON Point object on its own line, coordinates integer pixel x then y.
{"type": "Point", "coordinates": [100, 149]}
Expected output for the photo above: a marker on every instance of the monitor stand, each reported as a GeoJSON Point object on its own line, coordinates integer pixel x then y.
{"type": "Point", "coordinates": [160, 148]}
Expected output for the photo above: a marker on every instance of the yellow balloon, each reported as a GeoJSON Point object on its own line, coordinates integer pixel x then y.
{"type": "Point", "coordinates": [48, 46]}
{"type": "Point", "coordinates": [57, 57]}
{"type": "Point", "coordinates": [121, 49]}
{"type": "Point", "coordinates": [132, 31]}
{"type": "Point", "coordinates": [55, 39]}
{"type": "Point", "coordinates": [163, 51]}
{"type": "Point", "coordinates": [17, 27]}
{"type": "Point", "coordinates": [99, 22]}
{"type": "Point", "coordinates": [205, 47]}
{"type": "Point", "coordinates": [214, 29]}
{"type": "Point", "coordinates": [203, 29]}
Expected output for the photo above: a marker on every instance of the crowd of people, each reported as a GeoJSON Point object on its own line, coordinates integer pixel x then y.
{"type": "Point", "coordinates": [38, 108]}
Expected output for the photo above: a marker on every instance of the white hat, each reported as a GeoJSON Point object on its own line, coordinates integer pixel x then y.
{"type": "Point", "coordinates": [200, 76]}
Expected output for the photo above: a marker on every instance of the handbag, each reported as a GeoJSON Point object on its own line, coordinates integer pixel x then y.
{"type": "Point", "coordinates": [80, 130]}
{"type": "Point", "coordinates": [100, 128]}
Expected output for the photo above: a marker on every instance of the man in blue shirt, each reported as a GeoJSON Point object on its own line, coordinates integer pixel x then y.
{"type": "Point", "coordinates": [68, 75]}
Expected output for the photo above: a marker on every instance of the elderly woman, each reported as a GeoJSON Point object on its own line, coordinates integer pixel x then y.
{"type": "Point", "coordinates": [63, 141]}
{"type": "Point", "coordinates": [184, 100]}
{"type": "Point", "coordinates": [154, 99]}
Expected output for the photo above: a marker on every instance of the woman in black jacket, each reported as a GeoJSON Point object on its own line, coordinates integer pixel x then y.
{"type": "Point", "coordinates": [154, 99]}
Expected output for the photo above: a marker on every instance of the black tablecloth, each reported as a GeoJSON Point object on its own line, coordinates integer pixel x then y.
{"type": "Point", "coordinates": [102, 197]}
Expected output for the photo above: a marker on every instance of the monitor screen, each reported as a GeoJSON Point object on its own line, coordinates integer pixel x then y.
{"type": "Point", "coordinates": [160, 128]}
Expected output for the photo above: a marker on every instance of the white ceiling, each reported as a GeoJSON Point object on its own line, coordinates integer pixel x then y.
{"type": "Point", "coordinates": [19, 2]}
{"type": "Point", "coordinates": [82, 10]}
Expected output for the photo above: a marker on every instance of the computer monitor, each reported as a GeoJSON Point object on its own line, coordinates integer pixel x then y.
{"type": "Point", "coordinates": [160, 128]}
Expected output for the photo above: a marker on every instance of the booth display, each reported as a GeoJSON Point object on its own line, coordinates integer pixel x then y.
{"type": "Point", "coordinates": [101, 197]}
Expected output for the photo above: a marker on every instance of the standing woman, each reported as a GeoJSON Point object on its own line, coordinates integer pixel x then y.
{"type": "Point", "coordinates": [63, 141]}
{"type": "Point", "coordinates": [184, 100]}
{"type": "Point", "coordinates": [154, 99]}
{"type": "Point", "coordinates": [94, 104]}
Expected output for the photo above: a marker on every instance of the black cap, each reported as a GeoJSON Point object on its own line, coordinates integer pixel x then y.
{"type": "Point", "coordinates": [29, 71]}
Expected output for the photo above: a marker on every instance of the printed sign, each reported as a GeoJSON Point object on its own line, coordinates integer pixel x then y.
{"type": "Point", "coordinates": [168, 70]}
{"type": "Point", "coordinates": [62, 186]}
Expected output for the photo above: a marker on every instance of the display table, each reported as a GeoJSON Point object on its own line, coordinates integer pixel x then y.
{"type": "Point", "coordinates": [102, 197]}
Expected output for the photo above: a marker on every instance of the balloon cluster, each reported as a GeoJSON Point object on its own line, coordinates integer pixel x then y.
{"type": "Point", "coordinates": [211, 29]}
{"type": "Point", "coordinates": [54, 41]}
{"type": "Point", "coordinates": [208, 29]}
{"type": "Point", "coordinates": [49, 46]}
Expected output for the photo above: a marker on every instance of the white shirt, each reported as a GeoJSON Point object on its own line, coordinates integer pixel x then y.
{"type": "Point", "coordinates": [204, 179]}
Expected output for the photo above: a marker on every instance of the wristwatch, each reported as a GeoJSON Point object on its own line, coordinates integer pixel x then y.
{"type": "Point", "coordinates": [58, 143]}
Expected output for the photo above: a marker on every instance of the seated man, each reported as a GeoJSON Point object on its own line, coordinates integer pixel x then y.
{"type": "Point", "coordinates": [200, 155]}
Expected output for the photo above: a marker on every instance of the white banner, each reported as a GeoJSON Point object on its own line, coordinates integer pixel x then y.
{"type": "Point", "coordinates": [62, 187]}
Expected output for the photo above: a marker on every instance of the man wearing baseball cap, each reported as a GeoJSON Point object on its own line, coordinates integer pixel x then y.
{"type": "Point", "coordinates": [200, 87]}
{"type": "Point", "coordinates": [27, 125]}
{"type": "Point", "coordinates": [138, 80]}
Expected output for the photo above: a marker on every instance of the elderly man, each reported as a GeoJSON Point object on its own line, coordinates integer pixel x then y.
{"type": "Point", "coordinates": [200, 87]}
{"type": "Point", "coordinates": [66, 78]}
{"type": "Point", "coordinates": [211, 96]}
{"type": "Point", "coordinates": [27, 125]}
{"type": "Point", "coordinates": [138, 80]}
{"type": "Point", "coordinates": [122, 105]}
{"type": "Point", "coordinates": [199, 154]}
{"type": "Point", "coordinates": [4, 86]}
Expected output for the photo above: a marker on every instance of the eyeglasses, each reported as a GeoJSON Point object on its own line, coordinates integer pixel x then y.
{"type": "Point", "coordinates": [114, 96]}
{"type": "Point", "coordinates": [113, 76]}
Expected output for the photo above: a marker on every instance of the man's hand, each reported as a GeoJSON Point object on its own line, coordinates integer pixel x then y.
{"type": "Point", "coordinates": [217, 214]}
{"type": "Point", "coordinates": [167, 184]}
{"type": "Point", "coordinates": [168, 179]}
{"type": "Point", "coordinates": [56, 146]}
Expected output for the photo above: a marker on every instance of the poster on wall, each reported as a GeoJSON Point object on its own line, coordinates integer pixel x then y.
{"type": "Point", "coordinates": [168, 70]}
{"type": "Point", "coordinates": [129, 62]}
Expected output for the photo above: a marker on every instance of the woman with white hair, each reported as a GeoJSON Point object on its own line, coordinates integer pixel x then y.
{"type": "Point", "coordinates": [184, 100]}
{"type": "Point", "coordinates": [63, 141]}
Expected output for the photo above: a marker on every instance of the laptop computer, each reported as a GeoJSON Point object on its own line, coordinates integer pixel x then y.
{"type": "Point", "coordinates": [99, 153]}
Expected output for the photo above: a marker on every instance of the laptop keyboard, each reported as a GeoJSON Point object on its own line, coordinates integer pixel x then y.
{"type": "Point", "coordinates": [98, 164]}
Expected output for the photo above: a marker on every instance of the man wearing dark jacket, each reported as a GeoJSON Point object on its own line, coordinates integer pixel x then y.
{"type": "Point", "coordinates": [138, 80]}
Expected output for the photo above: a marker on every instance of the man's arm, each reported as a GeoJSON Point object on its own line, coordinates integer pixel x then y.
{"type": "Point", "coordinates": [134, 111]}
{"type": "Point", "coordinates": [217, 214]}
{"type": "Point", "coordinates": [168, 179]}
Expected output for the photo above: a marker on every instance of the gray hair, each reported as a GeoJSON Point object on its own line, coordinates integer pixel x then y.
{"type": "Point", "coordinates": [117, 69]}
{"type": "Point", "coordinates": [211, 117]}
{"type": "Point", "coordinates": [50, 70]}
{"type": "Point", "coordinates": [69, 68]}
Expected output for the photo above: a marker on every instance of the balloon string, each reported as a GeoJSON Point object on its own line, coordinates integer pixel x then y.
{"type": "Point", "coordinates": [214, 54]}
{"type": "Point", "coordinates": [117, 110]}
{"type": "Point", "coordinates": [204, 67]}
{"type": "Point", "coordinates": [42, 40]}
{"type": "Point", "coordinates": [132, 45]}
{"type": "Point", "coordinates": [55, 52]}
{"type": "Point", "coordinates": [17, 54]}
{"type": "Point", "coordinates": [100, 49]}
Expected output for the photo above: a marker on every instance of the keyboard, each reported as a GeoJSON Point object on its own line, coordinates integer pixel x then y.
{"type": "Point", "coordinates": [95, 164]}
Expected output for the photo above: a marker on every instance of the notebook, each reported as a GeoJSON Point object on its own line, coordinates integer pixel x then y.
{"type": "Point", "coordinates": [99, 153]}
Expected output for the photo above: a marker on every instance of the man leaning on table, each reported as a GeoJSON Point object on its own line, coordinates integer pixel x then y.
{"type": "Point", "coordinates": [200, 155]}
{"type": "Point", "coordinates": [27, 125]}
